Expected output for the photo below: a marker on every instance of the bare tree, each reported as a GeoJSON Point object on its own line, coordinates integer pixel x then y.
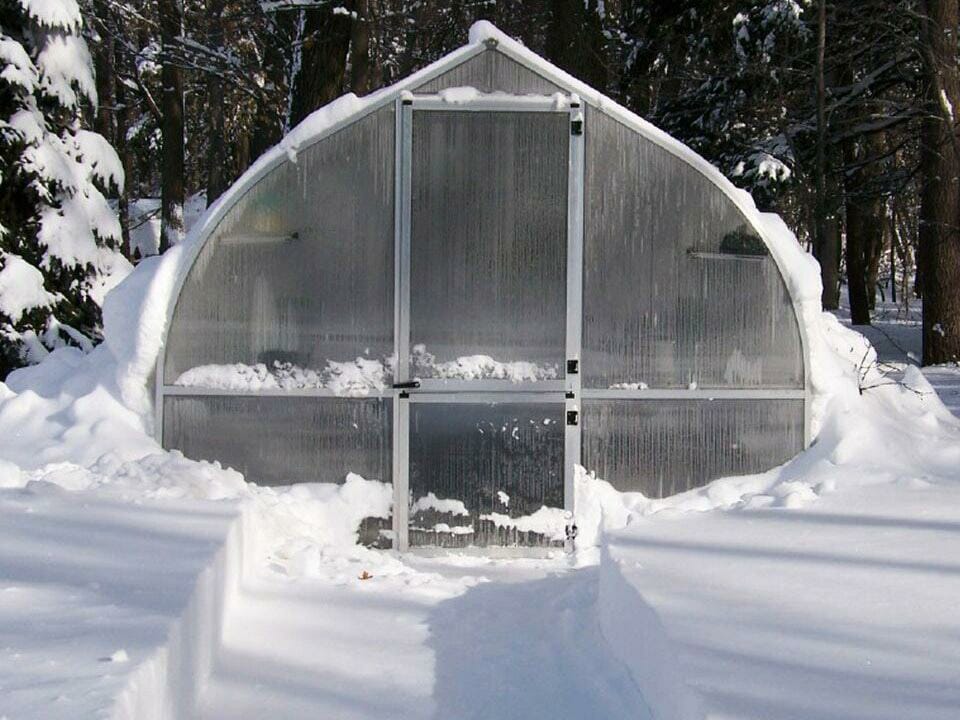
{"type": "Point", "coordinates": [172, 164]}
{"type": "Point", "coordinates": [940, 199]}
{"type": "Point", "coordinates": [217, 178]}
{"type": "Point", "coordinates": [360, 66]}
{"type": "Point", "coordinates": [326, 41]}
{"type": "Point", "coordinates": [826, 247]}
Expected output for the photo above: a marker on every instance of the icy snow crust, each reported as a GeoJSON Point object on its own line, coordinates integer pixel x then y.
{"type": "Point", "coordinates": [76, 434]}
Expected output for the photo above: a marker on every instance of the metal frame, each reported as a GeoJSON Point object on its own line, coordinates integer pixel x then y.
{"type": "Point", "coordinates": [590, 97]}
{"type": "Point", "coordinates": [563, 392]}
{"type": "Point", "coordinates": [694, 394]}
{"type": "Point", "coordinates": [575, 195]}
{"type": "Point", "coordinates": [395, 95]}
{"type": "Point", "coordinates": [440, 385]}
{"type": "Point", "coordinates": [402, 174]}
{"type": "Point", "coordinates": [486, 398]}
{"type": "Point", "coordinates": [496, 102]}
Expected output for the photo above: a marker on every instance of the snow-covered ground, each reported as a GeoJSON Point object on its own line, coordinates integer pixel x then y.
{"type": "Point", "coordinates": [91, 588]}
{"type": "Point", "coordinates": [138, 585]}
{"type": "Point", "coordinates": [847, 609]}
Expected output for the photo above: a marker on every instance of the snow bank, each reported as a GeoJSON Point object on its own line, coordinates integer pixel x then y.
{"type": "Point", "coordinates": [323, 514]}
{"type": "Point", "coordinates": [167, 685]}
{"type": "Point", "coordinates": [893, 431]}
{"type": "Point", "coordinates": [306, 530]}
{"type": "Point", "coordinates": [638, 638]}
{"type": "Point", "coordinates": [845, 609]}
{"type": "Point", "coordinates": [89, 590]}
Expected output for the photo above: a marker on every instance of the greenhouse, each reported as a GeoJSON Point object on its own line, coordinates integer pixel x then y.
{"type": "Point", "coordinates": [471, 283]}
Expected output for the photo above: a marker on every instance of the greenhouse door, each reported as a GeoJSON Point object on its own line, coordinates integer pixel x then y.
{"type": "Point", "coordinates": [489, 194]}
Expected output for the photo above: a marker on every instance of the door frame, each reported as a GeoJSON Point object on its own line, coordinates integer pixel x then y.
{"type": "Point", "coordinates": [566, 390]}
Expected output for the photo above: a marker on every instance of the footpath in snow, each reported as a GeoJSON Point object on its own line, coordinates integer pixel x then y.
{"type": "Point", "coordinates": [455, 637]}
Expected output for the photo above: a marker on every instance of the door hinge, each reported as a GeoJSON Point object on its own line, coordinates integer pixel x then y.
{"type": "Point", "coordinates": [576, 127]}
{"type": "Point", "coordinates": [573, 417]}
{"type": "Point", "coordinates": [573, 367]}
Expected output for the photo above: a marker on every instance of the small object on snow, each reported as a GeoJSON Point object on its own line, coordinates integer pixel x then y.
{"type": "Point", "coordinates": [120, 656]}
{"type": "Point", "coordinates": [365, 576]}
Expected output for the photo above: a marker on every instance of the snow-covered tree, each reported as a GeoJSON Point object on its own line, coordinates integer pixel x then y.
{"type": "Point", "coordinates": [59, 236]}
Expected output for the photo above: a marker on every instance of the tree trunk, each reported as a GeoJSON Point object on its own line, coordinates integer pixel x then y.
{"type": "Point", "coordinates": [326, 41]}
{"type": "Point", "coordinates": [865, 223]}
{"type": "Point", "coordinates": [857, 223]}
{"type": "Point", "coordinates": [217, 179]}
{"type": "Point", "coordinates": [171, 130]}
{"type": "Point", "coordinates": [866, 218]}
{"type": "Point", "coordinates": [940, 195]}
{"type": "Point", "coordinates": [825, 246]}
{"type": "Point", "coordinates": [574, 40]}
{"type": "Point", "coordinates": [893, 265]}
{"type": "Point", "coordinates": [360, 76]}
{"type": "Point", "coordinates": [876, 146]}
{"type": "Point", "coordinates": [125, 118]}
{"type": "Point", "coordinates": [103, 58]}
{"type": "Point", "coordinates": [874, 250]}
{"type": "Point", "coordinates": [272, 108]}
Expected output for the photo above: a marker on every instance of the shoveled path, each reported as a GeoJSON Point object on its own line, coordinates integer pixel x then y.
{"type": "Point", "coordinates": [456, 637]}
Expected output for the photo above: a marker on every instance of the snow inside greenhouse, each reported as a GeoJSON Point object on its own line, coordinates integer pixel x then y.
{"type": "Point", "coordinates": [472, 282]}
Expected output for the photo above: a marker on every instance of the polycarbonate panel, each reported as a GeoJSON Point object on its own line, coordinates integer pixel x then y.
{"type": "Point", "coordinates": [488, 239]}
{"type": "Point", "coordinates": [284, 440]}
{"type": "Point", "coordinates": [483, 474]}
{"type": "Point", "coordinates": [300, 270]}
{"type": "Point", "coordinates": [663, 447]}
{"type": "Point", "coordinates": [678, 288]}
{"type": "Point", "coordinates": [491, 71]}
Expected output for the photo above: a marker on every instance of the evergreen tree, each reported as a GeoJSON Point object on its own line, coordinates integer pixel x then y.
{"type": "Point", "coordinates": [58, 233]}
